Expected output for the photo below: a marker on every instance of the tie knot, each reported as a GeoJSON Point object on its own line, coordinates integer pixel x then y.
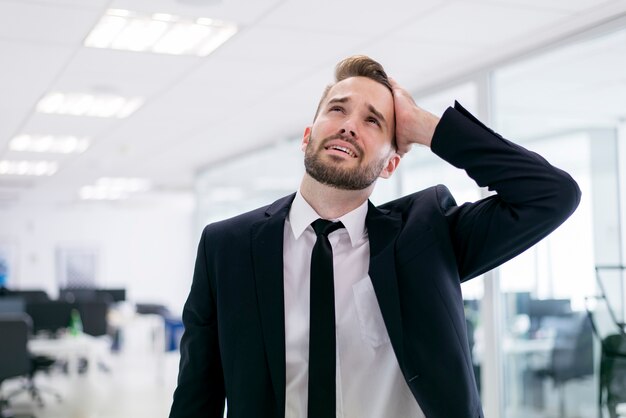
{"type": "Point", "coordinates": [324, 227]}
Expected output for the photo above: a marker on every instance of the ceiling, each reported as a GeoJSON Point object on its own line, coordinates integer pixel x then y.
{"type": "Point", "coordinates": [259, 88]}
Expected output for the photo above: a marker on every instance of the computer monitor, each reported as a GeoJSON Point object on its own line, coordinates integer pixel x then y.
{"type": "Point", "coordinates": [540, 309]}
{"type": "Point", "coordinates": [77, 294]}
{"type": "Point", "coordinates": [115, 295]}
{"type": "Point", "coordinates": [549, 307]}
{"type": "Point", "coordinates": [522, 302]}
{"type": "Point", "coordinates": [31, 295]}
{"type": "Point", "coordinates": [12, 305]}
{"type": "Point", "coordinates": [93, 314]}
{"type": "Point", "coordinates": [50, 316]}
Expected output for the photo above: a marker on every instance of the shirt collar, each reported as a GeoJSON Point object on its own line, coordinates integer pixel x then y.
{"type": "Point", "coordinates": [301, 215]}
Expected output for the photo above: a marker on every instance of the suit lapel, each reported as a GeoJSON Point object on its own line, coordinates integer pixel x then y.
{"type": "Point", "coordinates": [383, 227]}
{"type": "Point", "coordinates": [267, 255]}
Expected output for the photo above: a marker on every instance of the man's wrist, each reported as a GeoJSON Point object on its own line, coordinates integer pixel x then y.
{"type": "Point", "coordinates": [428, 124]}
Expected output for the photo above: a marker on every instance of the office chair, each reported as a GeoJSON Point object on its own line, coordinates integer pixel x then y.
{"type": "Point", "coordinates": [37, 364]}
{"type": "Point", "coordinates": [612, 391]}
{"type": "Point", "coordinates": [115, 294]}
{"type": "Point", "coordinates": [49, 316]}
{"type": "Point", "coordinates": [93, 314]}
{"type": "Point", "coordinates": [94, 317]}
{"type": "Point", "coordinates": [14, 356]}
{"type": "Point", "coordinates": [612, 374]}
{"type": "Point", "coordinates": [572, 355]}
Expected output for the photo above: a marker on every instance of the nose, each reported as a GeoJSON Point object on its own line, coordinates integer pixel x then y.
{"type": "Point", "coordinates": [350, 132]}
{"type": "Point", "coordinates": [349, 126]}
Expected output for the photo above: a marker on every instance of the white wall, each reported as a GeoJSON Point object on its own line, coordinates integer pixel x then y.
{"type": "Point", "coordinates": [147, 246]}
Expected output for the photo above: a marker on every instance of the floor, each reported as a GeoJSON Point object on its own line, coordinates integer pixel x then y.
{"type": "Point", "coordinates": [139, 384]}
{"type": "Point", "coordinates": [135, 386]}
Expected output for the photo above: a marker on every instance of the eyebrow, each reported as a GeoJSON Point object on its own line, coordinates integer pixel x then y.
{"type": "Point", "coordinates": [377, 113]}
{"type": "Point", "coordinates": [371, 108]}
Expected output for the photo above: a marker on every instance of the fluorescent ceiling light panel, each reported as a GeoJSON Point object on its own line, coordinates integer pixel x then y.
{"type": "Point", "coordinates": [96, 193]}
{"type": "Point", "coordinates": [82, 104]}
{"type": "Point", "coordinates": [49, 143]}
{"type": "Point", "coordinates": [27, 168]}
{"type": "Point", "coordinates": [113, 188]}
{"type": "Point", "coordinates": [161, 33]}
{"type": "Point", "coordinates": [123, 184]}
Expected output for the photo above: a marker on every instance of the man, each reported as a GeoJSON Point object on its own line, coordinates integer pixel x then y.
{"type": "Point", "coordinates": [256, 322]}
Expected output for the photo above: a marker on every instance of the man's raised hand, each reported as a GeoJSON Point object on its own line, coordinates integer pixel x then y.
{"type": "Point", "coordinates": [414, 125]}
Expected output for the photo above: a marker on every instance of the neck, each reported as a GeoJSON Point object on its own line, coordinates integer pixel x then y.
{"type": "Point", "coordinates": [330, 202]}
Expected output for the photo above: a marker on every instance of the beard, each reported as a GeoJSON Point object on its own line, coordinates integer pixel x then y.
{"type": "Point", "coordinates": [325, 172]}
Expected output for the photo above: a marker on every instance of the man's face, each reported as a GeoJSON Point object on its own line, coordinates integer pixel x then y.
{"type": "Point", "coordinates": [350, 143]}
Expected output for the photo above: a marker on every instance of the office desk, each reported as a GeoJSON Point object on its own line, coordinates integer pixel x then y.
{"type": "Point", "coordinates": [142, 335]}
{"type": "Point", "coordinates": [72, 349]}
{"type": "Point", "coordinates": [520, 354]}
{"type": "Point", "coordinates": [527, 346]}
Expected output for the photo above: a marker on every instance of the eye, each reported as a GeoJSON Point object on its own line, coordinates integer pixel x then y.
{"type": "Point", "coordinates": [373, 121]}
{"type": "Point", "coordinates": [336, 109]}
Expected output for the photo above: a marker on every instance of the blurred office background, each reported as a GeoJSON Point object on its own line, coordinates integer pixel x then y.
{"type": "Point", "coordinates": [127, 125]}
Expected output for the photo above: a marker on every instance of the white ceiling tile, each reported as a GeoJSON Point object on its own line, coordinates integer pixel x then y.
{"type": "Point", "coordinates": [477, 24]}
{"type": "Point", "coordinates": [11, 119]}
{"type": "Point", "coordinates": [94, 60]}
{"type": "Point", "coordinates": [41, 124]}
{"type": "Point", "coordinates": [298, 103]}
{"type": "Point", "coordinates": [123, 73]}
{"type": "Point", "coordinates": [45, 23]}
{"type": "Point", "coordinates": [365, 18]}
{"type": "Point", "coordinates": [144, 135]}
{"type": "Point", "coordinates": [78, 4]}
{"type": "Point", "coordinates": [414, 64]}
{"type": "Point", "coordinates": [27, 70]}
{"type": "Point", "coordinates": [562, 5]}
{"type": "Point", "coordinates": [239, 11]}
{"type": "Point", "coordinates": [218, 77]}
{"type": "Point", "coordinates": [284, 45]}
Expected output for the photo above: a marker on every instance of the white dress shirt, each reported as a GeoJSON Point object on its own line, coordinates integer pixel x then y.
{"type": "Point", "coordinates": [369, 381]}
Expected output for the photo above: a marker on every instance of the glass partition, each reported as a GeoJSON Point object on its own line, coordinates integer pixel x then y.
{"type": "Point", "coordinates": [565, 104]}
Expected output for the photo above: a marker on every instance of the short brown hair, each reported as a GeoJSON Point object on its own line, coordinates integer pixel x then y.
{"type": "Point", "coordinates": [356, 66]}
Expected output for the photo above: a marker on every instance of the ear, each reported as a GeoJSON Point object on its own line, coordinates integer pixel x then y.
{"type": "Point", "coordinates": [306, 137]}
{"type": "Point", "coordinates": [390, 167]}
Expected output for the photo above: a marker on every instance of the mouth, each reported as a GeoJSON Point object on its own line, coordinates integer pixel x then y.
{"type": "Point", "coordinates": [342, 149]}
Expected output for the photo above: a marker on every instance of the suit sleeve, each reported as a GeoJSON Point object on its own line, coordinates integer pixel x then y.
{"type": "Point", "coordinates": [532, 197]}
{"type": "Point", "coordinates": [200, 391]}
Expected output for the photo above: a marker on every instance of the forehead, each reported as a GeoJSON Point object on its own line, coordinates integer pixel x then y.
{"type": "Point", "coordinates": [363, 90]}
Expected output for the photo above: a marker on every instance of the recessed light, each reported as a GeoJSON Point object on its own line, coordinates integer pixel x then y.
{"type": "Point", "coordinates": [83, 104]}
{"type": "Point", "coordinates": [124, 184]}
{"type": "Point", "coordinates": [113, 188]}
{"type": "Point", "coordinates": [160, 33]}
{"type": "Point", "coordinates": [27, 168]}
{"type": "Point", "coordinates": [66, 144]}
{"type": "Point", "coordinates": [97, 193]}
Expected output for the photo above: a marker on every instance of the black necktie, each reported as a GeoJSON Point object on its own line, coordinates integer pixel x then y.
{"type": "Point", "coordinates": [322, 382]}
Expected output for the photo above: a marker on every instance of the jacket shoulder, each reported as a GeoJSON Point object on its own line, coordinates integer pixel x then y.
{"type": "Point", "coordinates": [436, 197]}
{"type": "Point", "coordinates": [240, 224]}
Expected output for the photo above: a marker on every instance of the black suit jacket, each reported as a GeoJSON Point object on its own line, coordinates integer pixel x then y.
{"type": "Point", "coordinates": [422, 247]}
